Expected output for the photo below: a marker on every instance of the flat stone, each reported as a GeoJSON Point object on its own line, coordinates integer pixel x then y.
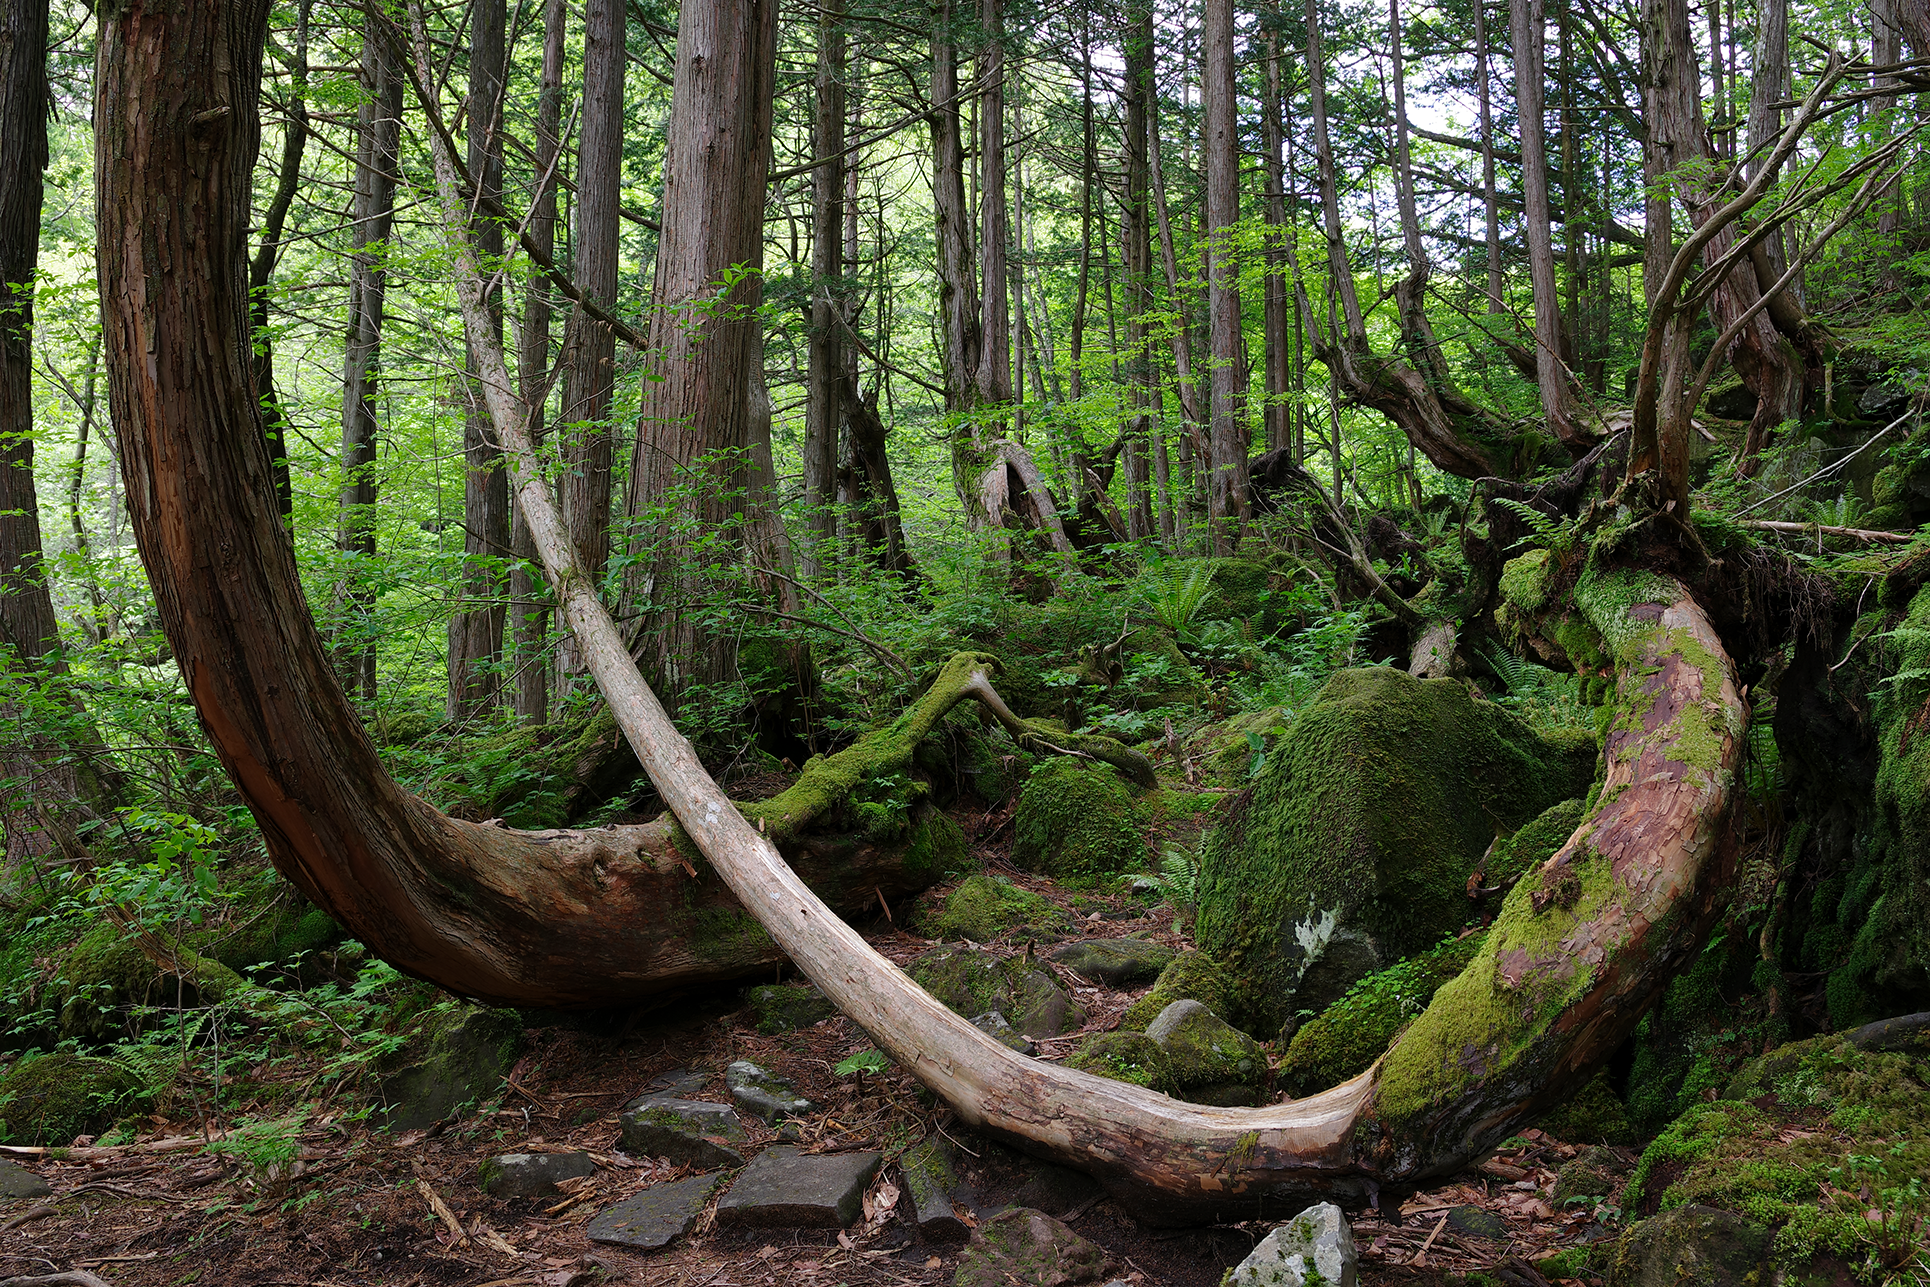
{"type": "Point", "coordinates": [764, 1094]}
{"type": "Point", "coordinates": [1031, 1249]}
{"type": "Point", "coordinates": [787, 1189]}
{"type": "Point", "coordinates": [19, 1182]}
{"type": "Point", "coordinates": [996, 1026]}
{"type": "Point", "coordinates": [678, 1083]}
{"type": "Point", "coordinates": [651, 1218]}
{"type": "Point", "coordinates": [1115, 962]}
{"type": "Point", "coordinates": [1476, 1222]}
{"type": "Point", "coordinates": [1316, 1245]}
{"type": "Point", "coordinates": [929, 1181]}
{"type": "Point", "coordinates": [689, 1132]}
{"type": "Point", "coordinates": [531, 1175]}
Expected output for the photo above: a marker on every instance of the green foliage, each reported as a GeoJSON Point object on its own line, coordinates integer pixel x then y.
{"type": "Point", "coordinates": [865, 1061]}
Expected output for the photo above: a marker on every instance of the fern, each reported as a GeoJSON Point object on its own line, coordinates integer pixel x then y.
{"type": "Point", "coordinates": [1552, 534]}
{"type": "Point", "coordinates": [1180, 598]}
{"type": "Point", "coordinates": [1516, 675]}
{"type": "Point", "coordinates": [1178, 881]}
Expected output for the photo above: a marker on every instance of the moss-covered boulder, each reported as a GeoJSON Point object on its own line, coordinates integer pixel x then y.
{"type": "Point", "coordinates": [786, 1007]}
{"type": "Point", "coordinates": [1691, 1247]}
{"type": "Point", "coordinates": [1806, 1141]}
{"type": "Point", "coordinates": [984, 908]}
{"type": "Point", "coordinates": [1515, 856]}
{"type": "Point", "coordinates": [459, 1055]}
{"type": "Point", "coordinates": [52, 1098]}
{"type": "Point", "coordinates": [975, 982]}
{"type": "Point", "coordinates": [278, 930]}
{"type": "Point", "coordinates": [1592, 1173]}
{"type": "Point", "coordinates": [1078, 818]}
{"type": "Point", "coordinates": [107, 976]}
{"type": "Point", "coordinates": [1346, 1037]}
{"type": "Point", "coordinates": [1596, 1115]}
{"type": "Point", "coordinates": [1031, 1249]}
{"type": "Point", "coordinates": [1369, 817]}
{"type": "Point", "coordinates": [1209, 1061]}
{"type": "Point", "coordinates": [1124, 1056]}
{"type": "Point", "coordinates": [1193, 976]}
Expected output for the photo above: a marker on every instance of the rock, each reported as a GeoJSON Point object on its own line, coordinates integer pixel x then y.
{"type": "Point", "coordinates": [929, 1181]}
{"type": "Point", "coordinates": [531, 1175]}
{"type": "Point", "coordinates": [690, 1132]}
{"type": "Point", "coordinates": [973, 981]}
{"type": "Point", "coordinates": [1313, 848]}
{"type": "Point", "coordinates": [1593, 1116]}
{"type": "Point", "coordinates": [1055, 1190]}
{"type": "Point", "coordinates": [764, 1094]}
{"type": "Point", "coordinates": [786, 1189]}
{"type": "Point", "coordinates": [994, 1025]}
{"type": "Point", "coordinates": [19, 1182]}
{"type": "Point", "coordinates": [651, 1218]}
{"type": "Point", "coordinates": [1353, 1032]}
{"type": "Point", "coordinates": [1907, 1034]}
{"type": "Point", "coordinates": [52, 1098]}
{"type": "Point", "coordinates": [1314, 1249]}
{"type": "Point", "coordinates": [1078, 818]}
{"type": "Point", "coordinates": [1883, 399]}
{"type": "Point", "coordinates": [786, 1007]}
{"type": "Point", "coordinates": [1193, 976]}
{"type": "Point", "coordinates": [1115, 962]}
{"type": "Point", "coordinates": [1476, 1222]}
{"type": "Point", "coordinates": [1124, 1056]}
{"type": "Point", "coordinates": [1031, 1249]}
{"type": "Point", "coordinates": [1594, 1173]}
{"type": "Point", "coordinates": [460, 1057]}
{"type": "Point", "coordinates": [984, 908]}
{"type": "Point", "coordinates": [678, 1083]}
{"type": "Point", "coordinates": [1205, 1053]}
{"type": "Point", "coordinates": [1691, 1247]}
{"type": "Point", "coordinates": [1348, 957]}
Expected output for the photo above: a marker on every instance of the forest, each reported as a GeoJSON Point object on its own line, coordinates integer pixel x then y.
{"type": "Point", "coordinates": [1161, 642]}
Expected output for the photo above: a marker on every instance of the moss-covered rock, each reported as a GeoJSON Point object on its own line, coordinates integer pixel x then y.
{"type": "Point", "coordinates": [459, 1055]}
{"type": "Point", "coordinates": [1029, 1248]}
{"type": "Point", "coordinates": [1370, 815]}
{"type": "Point", "coordinates": [107, 972]}
{"type": "Point", "coordinates": [1351, 1033]}
{"type": "Point", "coordinates": [1514, 856]}
{"type": "Point", "coordinates": [1691, 1247]}
{"type": "Point", "coordinates": [1193, 976]}
{"type": "Point", "coordinates": [52, 1098]}
{"type": "Point", "coordinates": [1594, 1116]}
{"type": "Point", "coordinates": [1124, 1056]}
{"type": "Point", "coordinates": [984, 908]}
{"type": "Point", "coordinates": [786, 1007]}
{"type": "Point", "coordinates": [1592, 1173]}
{"type": "Point", "coordinates": [1208, 1059]}
{"type": "Point", "coordinates": [1078, 818]}
{"type": "Point", "coordinates": [975, 982]}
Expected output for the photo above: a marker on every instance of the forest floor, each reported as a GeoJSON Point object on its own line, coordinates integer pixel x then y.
{"type": "Point", "coordinates": [363, 1206]}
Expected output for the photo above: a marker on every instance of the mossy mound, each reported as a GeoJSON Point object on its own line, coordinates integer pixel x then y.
{"type": "Point", "coordinates": [1370, 815]}
{"type": "Point", "coordinates": [107, 972]}
{"type": "Point", "coordinates": [1124, 1056]}
{"type": "Point", "coordinates": [1231, 750]}
{"type": "Point", "coordinates": [1593, 1116]}
{"type": "Point", "coordinates": [1515, 856]}
{"type": "Point", "coordinates": [1349, 1035]}
{"type": "Point", "coordinates": [1690, 1247]}
{"type": "Point", "coordinates": [1209, 1059]}
{"type": "Point", "coordinates": [1078, 818]}
{"type": "Point", "coordinates": [459, 1054]}
{"type": "Point", "coordinates": [1593, 1173]}
{"type": "Point", "coordinates": [278, 933]}
{"type": "Point", "coordinates": [55, 1097]}
{"type": "Point", "coordinates": [786, 1007]}
{"type": "Point", "coordinates": [984, 908]}
{"type": "Point", "coordinates": [975, 982]}
{"type": "Point", "coordinates": [1193, 976]}
{"type": "Point", "coordinates": [1806, 1140]}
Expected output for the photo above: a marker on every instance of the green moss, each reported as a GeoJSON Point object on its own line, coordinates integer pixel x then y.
{"type": "Point", "coordinates": [726, 933]}
{"type": "Point", "coordinates": [1076, 818]}
{"type": "Point", "coordinates": [55, 1097]}
{"type": "Point", "coordinates": [975, 982]}
{"type": "Point", "coordinates": [1524, 581]}
{"type": "Point", "coordinates": [1353, 1032]}
{"type": "Point", "coordinates": [1204, 1051]}
{"type": "Point", "coordinates": [1595, 1116]}
{"type": "Point", "coordinates": [1314, 845]}
{"type": "Point", "coordinates": [786, 1007]}
{"type": "Point", "coordinates": [1124, 1056]}
{"type": "Point", "coordinates": [1193, 976]}
{"type": "Point", "coordinates": [107, 972]}
{"type": "Point", "coordinates": [1514, 856]}
{"type": "Point", "coordinates": [984, 908]}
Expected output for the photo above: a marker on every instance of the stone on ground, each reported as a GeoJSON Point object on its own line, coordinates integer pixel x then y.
{"type": "Point", "coordinates": [1476, 1222]}
{"type": "Point", "coordinates": [984, 908]}
{"type": "Point", "coordinates": [459, 1058]}
{"type": "Point", "coordinates": [1696, 1245]}
{"type": "Point", "coordinates": [1031, 1249]}
{"type": "Point", "coordinates": [1193, 976]}
{"type": "Point", "coordinates": [1316, 1246]}
{"type": "Point", "coordinates": [999, 1028]}
{"type": "Point", "coordinates": [973, 981]}
{"type": "Point", "coordinates": [651, 1218]}
{"type": "Point", "coordinates": [764, 1094]}
{"type": "Point", "coordinates": [689, 1132]}
{"type": "Point", "coordinates": [1077, 818]}
{"type": "Point", "coordinates": [531, 1175]}
{"type": "Point", "coordinates": [1595, 1173]}
{"type": "Point", "coordinates": [786, 1007]}
{"type": "Point", "coordinates": [783, 1188]}
{"type": "Point", "coordinates": [19, 1182]}
{"type": "Point", "coordinates": [1115, 962]}
{"type": "Point", "coordinates": [1208, 1060]}
{"type": "Point", "coordinates": [929, 1181]}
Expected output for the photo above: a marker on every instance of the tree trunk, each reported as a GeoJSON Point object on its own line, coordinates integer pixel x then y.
{"type": "Point", "coordinates": [1527, 29]}
{"type": "Point", "coordinates": [1490, 191]}
{"type": "Point", "coordinates": [687, 474]}
{"type": "Point", "coordinates": [1136, 236]}
{"type": "Point", "coordinates": [823, 410]}
{"type": "Point", "coordinates": [378, 141]}
{"type": "Point", "coordinates": [1279, 355]}
{"type": "Point", "coordinates": [528, 606]}
{"type": "Point", "coordinates": [1226, 494]}
{"type": "Point", "coordinates": [261, 272]}
{"type": "Point", "coordinates": [957, 281]}
{"type": "Point", "coordinates": [476, 630]}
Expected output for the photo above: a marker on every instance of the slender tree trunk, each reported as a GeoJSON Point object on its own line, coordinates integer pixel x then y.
{"type": "Point", "coordinates": [823, 411]}
{"type": "Point", "coordinates": [1194, 419]}
{"type": "Point", "coordinates": [528, 601]}
{"type": "Point", "coordinates": [1490, 201]}
{"type": "Point", "coordinates": [688, 473]}
{"type": "Point", "coordinates": [1278, 357]}
{"type": "Point", "coordinates": [378, 141]}
{"type": "Point", "coordinates": [1226, 495]}
{"type": "Point", "coordinates": [287, 183]}
{"type": "Point", "coordinates": [994, 230]}
{"type": "Point", "coordinates": [476, 630]}
{"type": "Point", "coordinates": [1528, 25]}
{"type": "Point", "coordinates": [1136, 229]}
{"type": "Point", "coordinates": [957, 279]}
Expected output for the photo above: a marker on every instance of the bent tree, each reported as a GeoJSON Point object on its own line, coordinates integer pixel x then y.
{"type": "Point", "coordinates": [1579, 950]}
